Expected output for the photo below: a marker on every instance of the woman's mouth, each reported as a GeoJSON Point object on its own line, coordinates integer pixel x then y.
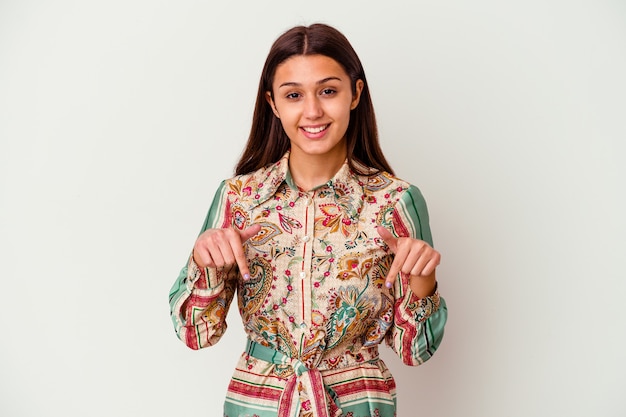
{"type": "Point", "coordinates": [314, 130]}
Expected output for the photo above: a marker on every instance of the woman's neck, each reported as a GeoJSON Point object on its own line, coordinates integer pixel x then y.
{"type": "Point", "coordinates": [310, 171]}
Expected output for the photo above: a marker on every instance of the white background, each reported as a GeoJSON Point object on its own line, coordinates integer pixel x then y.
{"type": "Point", "coordinates": [118, 119]}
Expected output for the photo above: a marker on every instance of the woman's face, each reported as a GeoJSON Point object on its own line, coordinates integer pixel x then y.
{"type": "Point", "coordinates": [312, 96]}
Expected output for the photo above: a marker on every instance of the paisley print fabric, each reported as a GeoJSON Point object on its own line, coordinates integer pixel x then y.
{"type": "Point", "coordinates": [316, 293]}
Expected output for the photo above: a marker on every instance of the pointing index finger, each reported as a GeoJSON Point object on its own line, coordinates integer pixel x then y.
{"type": "Point", "coordinates": [392, 242]}
{"type": "Point", "coordinates": [394, 270]}
{"type": "Point", "coordinates": [240, 257]}
{"type": "Point", "coordinates": [388, 238]}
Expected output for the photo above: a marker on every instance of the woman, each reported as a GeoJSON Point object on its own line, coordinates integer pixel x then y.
{"type": "Point", "coordinates": [328, 252]}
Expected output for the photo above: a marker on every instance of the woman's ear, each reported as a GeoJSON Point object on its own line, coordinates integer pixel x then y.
{"type": "Point", "coordinates": [270, 101]}
{"type": "Point", "coordinates": [357, 94]}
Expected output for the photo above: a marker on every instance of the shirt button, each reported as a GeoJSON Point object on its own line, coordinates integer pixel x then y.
{"type": "Point", "coordinates": [306, 238]}
{"type": "Point", "coordinates": [302, 274]}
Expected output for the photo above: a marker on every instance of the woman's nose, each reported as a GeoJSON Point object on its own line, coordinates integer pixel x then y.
{"type": "Point", "coordinates": [313, 107]}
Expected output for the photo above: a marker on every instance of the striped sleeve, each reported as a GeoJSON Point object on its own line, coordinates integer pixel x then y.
{"type": "Point", "coordinates": [418, 323]}
{"type": "Point", "coordinates": [200, 297]}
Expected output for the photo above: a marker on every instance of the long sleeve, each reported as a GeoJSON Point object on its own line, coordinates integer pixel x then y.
{"type": "Point", "coordinates": [200, 297]}
{"type": "Point", "coordinates": [418, 323]}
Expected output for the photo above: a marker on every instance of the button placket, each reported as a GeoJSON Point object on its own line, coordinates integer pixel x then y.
{"type": "Point", "coordinates": [305, 272]}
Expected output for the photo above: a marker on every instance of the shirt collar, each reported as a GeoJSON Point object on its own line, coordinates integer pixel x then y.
{"type": "Point", "coordinates": [344, 186]}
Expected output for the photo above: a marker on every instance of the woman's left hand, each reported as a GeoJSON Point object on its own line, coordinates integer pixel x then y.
{"type": "Point", "coordinates": [413, 257]}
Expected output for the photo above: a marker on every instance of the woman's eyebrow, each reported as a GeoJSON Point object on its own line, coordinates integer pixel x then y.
{"type": "Point", "coordinates": [295, 84]}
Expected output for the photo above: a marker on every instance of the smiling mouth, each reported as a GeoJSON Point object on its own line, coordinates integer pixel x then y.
{"type": "Point", "coordinates": [315, 129]}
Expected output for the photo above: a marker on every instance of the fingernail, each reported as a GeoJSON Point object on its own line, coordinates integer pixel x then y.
{"type": "Point", "coordinates": [388, 284]}
{"type": "Point", "coordinates": [246, 277]}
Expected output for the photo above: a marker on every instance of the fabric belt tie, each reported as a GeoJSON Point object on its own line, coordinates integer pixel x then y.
{"type": "Point", "coordinates": [305, 387]}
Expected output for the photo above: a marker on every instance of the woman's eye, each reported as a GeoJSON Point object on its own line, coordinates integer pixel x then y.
{"type": "Point", "coordinates": [292, 96]}
{"type": "Point", "coordinates": [328, 91]}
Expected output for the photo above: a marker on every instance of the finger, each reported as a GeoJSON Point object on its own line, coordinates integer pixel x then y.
{"type": "Point", "coordinates": [249, 232]}
{"type": "Point", "coordinates": [395, 268]}
{"type": "Point", "coordinates": [392, 275]}
{"type": "Point", "coordinates": [213, 250]}
{"type": "Point", "coordinates": [202, 258]}
{"type": "Point", "coordinates": [427, 263]}
{"type": "Point", "coordinates": [201, 252]}
{"type": "Point", "coordinates": [237, 248]}
{"type": "Point", "coordinates": [209, 261]}
{"type": "Point", "coordinates": [431, 265]}
{"type": "Point", "coordinates": [387, 237]}
{"type": "Point", "coordinates": [419, 264]}
{"type": "Point", "coordinates": [240, 258]}
{"type": "Point", "coordinates": [415, 261]}
{"type": "Point", "coordinates": [227, 250]}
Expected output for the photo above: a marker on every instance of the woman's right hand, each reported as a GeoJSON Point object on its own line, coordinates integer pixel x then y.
{"type": "Point", "coordinates": [217, 248]}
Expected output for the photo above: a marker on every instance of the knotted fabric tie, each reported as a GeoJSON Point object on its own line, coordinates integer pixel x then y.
{"type": "Point", "coordinates": [305, 387]}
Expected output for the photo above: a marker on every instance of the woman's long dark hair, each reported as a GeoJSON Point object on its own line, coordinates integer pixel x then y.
{"type": "Point", "coordinates": [268, 142]}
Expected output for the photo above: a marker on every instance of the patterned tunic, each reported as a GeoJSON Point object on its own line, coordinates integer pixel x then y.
{"type": "Point", "coordinates": [315, 307]}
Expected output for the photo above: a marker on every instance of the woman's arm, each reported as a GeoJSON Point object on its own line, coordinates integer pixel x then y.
{"type": "Point", "coordinates": [419, 321]}
{"type": "Point", "coordinates": [201, 296]}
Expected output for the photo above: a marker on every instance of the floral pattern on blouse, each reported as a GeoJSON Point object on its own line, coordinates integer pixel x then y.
{"type": "Point", "coordinates": [317, 266]}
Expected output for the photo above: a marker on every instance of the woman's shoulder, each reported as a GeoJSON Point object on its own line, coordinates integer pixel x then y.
{"type": "Point", "coordinates": [274, 173]}
{"type": "Point", "coordinates": [256, 186]}
{"type": "Point", "coordinates": [383, 181]}
{"type": "Point", "coordinates": [387, 190]}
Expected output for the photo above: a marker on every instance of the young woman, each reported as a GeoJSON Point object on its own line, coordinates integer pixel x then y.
{"type": "Point", "coordinates": [328, 252]}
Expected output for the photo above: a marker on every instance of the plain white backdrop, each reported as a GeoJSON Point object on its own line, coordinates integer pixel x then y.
{"type": "Point", "coordinates": [119, 118]}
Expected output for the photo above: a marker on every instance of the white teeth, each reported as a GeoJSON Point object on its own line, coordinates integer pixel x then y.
{"type": "Point", "coordinates": [314, 129]}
